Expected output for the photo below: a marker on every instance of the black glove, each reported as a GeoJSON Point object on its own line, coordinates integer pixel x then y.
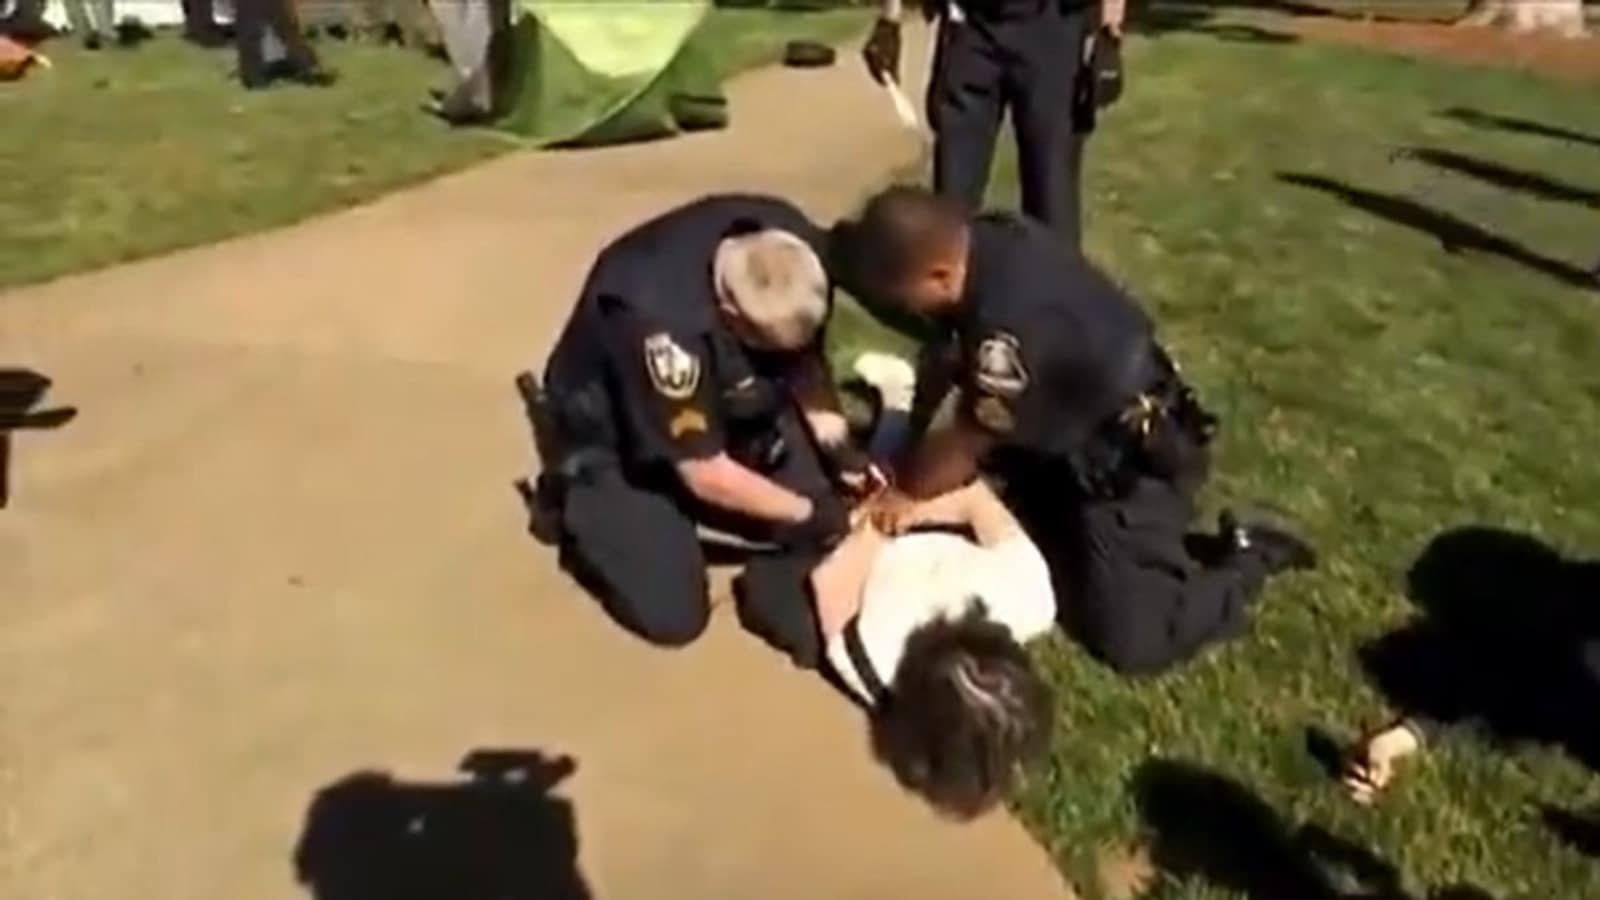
{"type": "Point", "coordinates": [882, 53]}
{"type": "Point", "coordinates": [827, 525]}
{"type": "Point", "coordinates": [1278, 549]}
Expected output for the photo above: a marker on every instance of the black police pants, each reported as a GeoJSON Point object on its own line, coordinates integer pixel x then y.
{"type": "Point", "coordinates": [1134, 590]}
{"type": "Point", "coordinates": [1028, 65]}
{"type": "Point", "coordinates": [633, 542]}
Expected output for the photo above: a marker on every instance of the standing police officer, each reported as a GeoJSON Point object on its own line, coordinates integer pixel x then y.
{"type": "Point", "coordinates": [1057, 386]}
{"type": "Point", "coordinates": [674, 399]}
{"type": "Point", "coordinates": [1026, 56]}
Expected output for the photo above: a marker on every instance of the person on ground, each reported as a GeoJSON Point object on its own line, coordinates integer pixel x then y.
{"type": "Point", "coordinates": [926, 630]}
{"type": "Point", "coordinates": [1048, 376]}
{"type": "Point", "coordinates": [687, 394]}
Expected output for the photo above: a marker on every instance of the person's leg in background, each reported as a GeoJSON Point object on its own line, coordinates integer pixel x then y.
{"type": "Point", "coordinates": [298, 55]}
{"type": "Point", "coordinates": [467, 27]}
{"type": "Point", "coordinates": [249, 35]}
{"type": "Point", "coordinates": [88, 19]}
{"type": "Point", "coordinates": [200, 23]}
{"type": "Point", "coordinates": [965, 103]}
{"type": "Point", "coordinates": [1041, 84]}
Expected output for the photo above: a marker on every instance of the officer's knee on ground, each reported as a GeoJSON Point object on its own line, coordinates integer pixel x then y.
{"type": "Point", "coordinates": [673, 624]}
{"type": "Point", "coordinates": [1130, 641]}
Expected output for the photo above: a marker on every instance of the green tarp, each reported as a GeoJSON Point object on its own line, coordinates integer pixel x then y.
{"type": "Point", "coordinates": [587, 72]}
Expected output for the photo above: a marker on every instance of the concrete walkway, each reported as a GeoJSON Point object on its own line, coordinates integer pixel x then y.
{"type": "Point", "coordinates": [280, 545]}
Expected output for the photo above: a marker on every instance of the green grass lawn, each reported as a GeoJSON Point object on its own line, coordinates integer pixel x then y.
{"type": "Point", "coordinates": [123, 154]}
{"type": "Point", "coordinates": [1382, 390]}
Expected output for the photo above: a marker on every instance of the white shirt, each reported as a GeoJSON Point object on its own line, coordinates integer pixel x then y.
{"type": "Point", "coordinates": [919, 578]}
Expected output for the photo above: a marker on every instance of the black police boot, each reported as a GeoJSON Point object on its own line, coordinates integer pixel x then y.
{"type": "Point", "coordinates": [1278, 549]}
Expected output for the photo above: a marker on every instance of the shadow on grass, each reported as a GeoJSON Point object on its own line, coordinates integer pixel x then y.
{"type": "Point", "coordinates": [1454, 234]}
{"type": "Point", "coordinates": [499, 834]}
{"type": "Point", "coordinates": [1207, 826]}
{"type": "Point", "coordinates": [1508, 640]}
{"type": "Point", "coordinates": [21, 390]}
{"type": "Point", "coordinates": [1580, 832]}
{"type": "Point", "coordinates": [1516, 125]}
{"type": "Point", "coordinates": [1502, 176]}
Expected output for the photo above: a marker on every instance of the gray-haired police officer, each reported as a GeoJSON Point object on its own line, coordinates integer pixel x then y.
{"type": "Point", "coordinates": [674, 399]}
{"type": "Point", "coordinates": [1060, 390]}
{"type": "Point", "coordinates": [1031, 57]}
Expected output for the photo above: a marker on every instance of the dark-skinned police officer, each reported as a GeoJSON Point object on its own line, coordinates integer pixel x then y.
{"type": "Point", "coordinates": [1033, 58]}
{"type": "Point", "coordinates": [1053, 384]}
{"type": "Point", "coordinates": [688, 392]}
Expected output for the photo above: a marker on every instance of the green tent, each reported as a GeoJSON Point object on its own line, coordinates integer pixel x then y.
{"type": "Point", "coordinates": [587, 72]}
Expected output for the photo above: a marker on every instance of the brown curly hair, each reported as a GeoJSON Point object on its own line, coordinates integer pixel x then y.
{"type": "Point", "coordinates": [966, 708]}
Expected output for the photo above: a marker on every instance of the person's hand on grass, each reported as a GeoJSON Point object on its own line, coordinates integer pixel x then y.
{"type": "Point", "coordinates": [1371, 765]}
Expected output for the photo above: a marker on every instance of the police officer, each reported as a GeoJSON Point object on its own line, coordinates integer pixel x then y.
{"type": "Point", "coordinates": [688, 392]}
{"type": "Point", "coordinates": [1059, 389]}
{"type": "Point", "coordinates": [1025, 56]}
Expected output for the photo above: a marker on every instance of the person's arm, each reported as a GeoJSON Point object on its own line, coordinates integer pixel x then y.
{"type": "Point", "coordinates": [976, 507]}
{"type": "Point", "coordinates": [945, 459]}
{"type": "Point", "coordinates": [671, 408]}
{"type": "Point", "coordinates": [720, 482]}
{"type": "Point", "coordinates": [837, 583]}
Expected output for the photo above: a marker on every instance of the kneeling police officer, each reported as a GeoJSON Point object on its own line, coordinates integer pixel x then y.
{"type": "Point", "coordinates": [688, 391]}
{"type": "Point", "coordinates": [1051, 380]}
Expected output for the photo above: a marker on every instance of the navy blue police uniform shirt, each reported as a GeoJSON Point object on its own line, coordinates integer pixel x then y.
{"type": "Point", "coordinates": [1050, 348]}
{"type": "Point", "coordinates": [647, 326]}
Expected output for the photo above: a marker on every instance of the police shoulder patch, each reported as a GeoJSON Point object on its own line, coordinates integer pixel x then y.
{"type": "Point", "coordinates": [674, 372]}
{"type": "Point", "coordinates": [993, 414]}
{"type": "Point", "coordinates": [998, 369]}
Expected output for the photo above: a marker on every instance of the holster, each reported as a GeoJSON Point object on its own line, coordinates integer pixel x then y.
{"type": "Point", "coordinates": [1163, 433]}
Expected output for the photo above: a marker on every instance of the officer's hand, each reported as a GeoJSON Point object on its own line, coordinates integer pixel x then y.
{"type": "Point", "coordinates": [890, 512]}
{"type": "Point", "coordinates": [882, 53]}
{"type": "Point", "coordinates": [825, 526]}
{"type": "Point", "coordinates": [1112, 14]}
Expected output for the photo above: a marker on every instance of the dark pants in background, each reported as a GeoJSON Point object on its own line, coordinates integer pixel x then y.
{"type": "Point", "coordinates": [1136, 587]}
{"type": "Point", "coordinates": [1027, 64]}
{"type": "Point", "coordinates": [254, 20]}
{"type": "Point", "coordinates": [634, 542]}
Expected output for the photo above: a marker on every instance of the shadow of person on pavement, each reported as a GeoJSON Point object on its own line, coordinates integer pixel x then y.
{"type": "Point", "coordinates": [499, 834]}
{"type": "Point", "coordinates": [21, 390]}
{"type": "Point", "coordinates": [1508, 640]}
{"type": "Point", "coordinates": [1208, 826]}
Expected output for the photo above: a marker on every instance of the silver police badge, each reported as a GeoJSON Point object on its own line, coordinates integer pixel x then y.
{"type": "Point", "coordinates": [999, 369]}
{"type": "Point", "coordinates": [674, 371]}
